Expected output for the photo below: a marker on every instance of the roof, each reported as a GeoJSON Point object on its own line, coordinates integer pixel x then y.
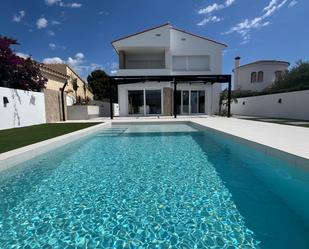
{"type": "Point", "coordinates": [52, 71]}
{"type": "Point", "coordinates": [266, 61]}
{"type": "Point", "coordinates": [166, 24]}
{"type": "Point", "coordinates": [65, 65]}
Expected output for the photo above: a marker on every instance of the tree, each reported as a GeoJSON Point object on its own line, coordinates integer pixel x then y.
{"type": "Point", "coordinates": [295, 79]}
{"type": "Point", "coordinates": [17, 72]}
{"type": "Point", "coordinates": [75, 86]}
{"type": "Point", "coordinates": [99, 83]}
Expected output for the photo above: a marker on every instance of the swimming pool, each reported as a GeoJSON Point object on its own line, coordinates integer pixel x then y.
{"type": "Point", "coordinates": [154, 186]}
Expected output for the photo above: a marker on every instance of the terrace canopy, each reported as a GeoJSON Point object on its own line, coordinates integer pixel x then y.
{"type": "Point", "coordinates": [223, 78]}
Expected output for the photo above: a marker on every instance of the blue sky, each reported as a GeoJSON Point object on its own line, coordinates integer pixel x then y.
{"type": "Point", "coordinates": [79, 32]}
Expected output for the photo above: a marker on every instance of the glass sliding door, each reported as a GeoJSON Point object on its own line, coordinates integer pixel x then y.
{"type": "Point", "coordinates": [153, 102]}
{"type": "Point", "coordinates": [136, 102]}
{"type": "Point", "coordinates": [194, 102]}
{"type": "Point", "coordinates": [201, 101]}
{"type": "Point", "coordinates": [185, 102]}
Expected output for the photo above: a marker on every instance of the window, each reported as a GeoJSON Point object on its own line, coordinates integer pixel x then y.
{"type": "Point", "coordinates": [185, 102]}
{"type": "Point", "coordinates": [191, 63]}
{"type": "Point", "coordinates": [260, 76]}
{"type": "Point", "coordinates": [153, 101]}
{"type": "Point", "coordinates": [179, 63]}
{"type": "Point", "coordinates": [278, 74]}
{"type": "Point", "coordinates": [201, 102]}
{"type": "Point", "coordinates": [136, 102]}
{"type": "Point", "coordinates": [198, 63]}
{"type": "Point", "coordinates": [253, 77]}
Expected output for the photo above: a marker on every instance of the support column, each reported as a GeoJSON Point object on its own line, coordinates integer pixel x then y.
{"type": "Point", "coordinates": [110, 99]}
{"type": "Point", "coordinates": [229, 98]}
{"type": "Point", "coordinates": [174, 97]}
{"type": "Point", "coordinates": [62, 100]}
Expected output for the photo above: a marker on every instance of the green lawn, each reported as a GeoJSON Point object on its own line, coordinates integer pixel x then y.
{"type": "Point", "coordinates": [18, 137]}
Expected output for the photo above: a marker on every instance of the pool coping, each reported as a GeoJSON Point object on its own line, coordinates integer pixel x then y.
{"type": "Point", "coordinates": [13, 157]}
{"type": "Point", "coordinates": [292, 159]}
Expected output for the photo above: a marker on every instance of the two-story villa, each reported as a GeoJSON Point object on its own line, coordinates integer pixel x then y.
{"type": "Point", "coordinates": [165, 50]}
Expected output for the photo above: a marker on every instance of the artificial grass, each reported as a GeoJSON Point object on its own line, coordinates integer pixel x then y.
{"type": "Point", "coordinates": [280, 121]}
{"type": "Point", "coordinates": [11, 139]}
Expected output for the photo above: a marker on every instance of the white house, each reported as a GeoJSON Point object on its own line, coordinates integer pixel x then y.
{"type": "Point", "coordinates": [257, 75]}
{"type": "Point", "coordinates": [165, 50]}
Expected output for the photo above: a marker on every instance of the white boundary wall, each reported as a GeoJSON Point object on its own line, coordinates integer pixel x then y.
{"type": "Point", "coordinates": [293, 105]}
{"type": "Point", "coordinates": [24, 108]}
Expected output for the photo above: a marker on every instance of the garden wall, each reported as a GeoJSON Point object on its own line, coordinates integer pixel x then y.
{"type": "Point", "coordinates": [20, 108]}
{"type": "Point", "coordinates": [294, 105]}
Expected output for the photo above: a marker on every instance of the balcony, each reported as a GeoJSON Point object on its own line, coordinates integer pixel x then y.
{"type": "Point", "coordinates": [142, 58]}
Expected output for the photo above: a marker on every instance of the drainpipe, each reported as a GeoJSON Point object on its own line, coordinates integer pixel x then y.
{"type": "Point", "coordinates": [62, 100]}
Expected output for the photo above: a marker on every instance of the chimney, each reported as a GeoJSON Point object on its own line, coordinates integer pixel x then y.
{"type": "Point", "coordinates": [237, 64]}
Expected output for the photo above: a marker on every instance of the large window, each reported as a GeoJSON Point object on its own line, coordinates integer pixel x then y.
{"type": "Point", "coordinates": [178, 102]}
{"type": "Point", "coordinates": [194, 103]}
{"type": "Point", "coordinates": [136, 102]}
{"type": "Point", "coordinates": [185, 102]}
{"type": "Point", "coordinates": [153, 101]}
{"type": "Point", "coordinates": [201, 102]}
{"type": "Point", "coordinates": [191, 63]}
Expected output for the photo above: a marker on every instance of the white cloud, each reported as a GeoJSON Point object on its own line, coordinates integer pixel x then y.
{"type": "Point", "coordinates": [215, 7]}
{"type": "Point", "coordinates": [209, 19]}
{"type": "Point", "coordinates": [18, 17]}
{"type": "Point", "coordinates": [22, 55]}
{"type": "Point", "coordinates": [113, 67]}
{"type": "Point", "coordinates": [63, 4]}
{"type": "Point", "coordinates": [74, 5]}
{"type": "Point", "coordinates": [292, 3]}
{"type": "Point", "coordinates": [54, 60]}
{"type": "Point", "coordinates": [52, 2]}
{"type": "Point", "coordinates": [208, 11]}
{"type": "Point", "coordinates": [105, 13]}
{"type": "Point", "coordinates": [244, 28]}
{"type": "Point", "coordinates": [50, 32]}
{"type": "Point", "coordinates": [41, 23]}
{"type": "Point", "coordinates": [52, 46]}
{"type": "Point", "coordinates": [55, 23]}
{"type": "Point", "coordinates": [77, 62]}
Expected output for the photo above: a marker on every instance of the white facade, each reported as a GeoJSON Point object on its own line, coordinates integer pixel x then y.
{"type": "Point", "coordinates": [258, 75]}
{"type": "Point", "coordinates": [20, 108]}
{"type": "Point", "coordinates": [168, 51]}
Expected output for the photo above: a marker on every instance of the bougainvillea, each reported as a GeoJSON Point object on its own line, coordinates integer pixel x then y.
{"type": "Point", "coordinates": [17, 72]}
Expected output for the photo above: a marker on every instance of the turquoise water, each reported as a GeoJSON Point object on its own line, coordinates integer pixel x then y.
{"type": "Point", "coordinates": [155, 186]}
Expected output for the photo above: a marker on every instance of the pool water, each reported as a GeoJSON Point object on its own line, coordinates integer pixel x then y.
{"type": "Point", "coordinates": [154, 186]}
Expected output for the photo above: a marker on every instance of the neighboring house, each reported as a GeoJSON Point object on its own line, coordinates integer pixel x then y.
{"type": "Point", "coordinates": [55, 79]}
{"type": "Point", "coordinates": [165, 50]}
{"type": "Point", "coordinates": [82, 92]}
{"type": "Point", "coordinates": [257, 75]}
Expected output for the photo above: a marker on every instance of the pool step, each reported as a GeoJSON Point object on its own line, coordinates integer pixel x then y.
{"type": "Point", "coordinates": [111, 132]}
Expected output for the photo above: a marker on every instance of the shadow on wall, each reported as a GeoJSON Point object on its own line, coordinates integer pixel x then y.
{"type": "Point", "coordinates": [15, 98]}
